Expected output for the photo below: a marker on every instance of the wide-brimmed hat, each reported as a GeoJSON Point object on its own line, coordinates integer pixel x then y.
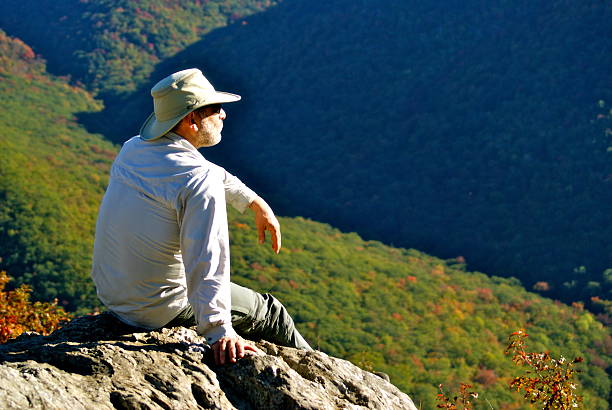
{"type": "Point", "coordinates": [176, 96]}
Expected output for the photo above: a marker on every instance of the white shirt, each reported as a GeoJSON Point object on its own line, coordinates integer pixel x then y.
{"type": "Point", "coordinates": [162, 239]}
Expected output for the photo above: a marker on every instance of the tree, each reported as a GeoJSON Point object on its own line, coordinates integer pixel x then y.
{"type": "Point", "coordinates": [550, 381]}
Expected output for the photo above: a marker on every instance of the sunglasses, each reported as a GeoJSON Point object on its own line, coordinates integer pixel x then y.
{"type": "Point", "coordinates": [207, 110]}
{"type": "Point", "coordinates": [215, 108]}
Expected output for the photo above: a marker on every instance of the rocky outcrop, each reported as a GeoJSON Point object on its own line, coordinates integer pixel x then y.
{"type": "Point", "coordinates": [95, 362]}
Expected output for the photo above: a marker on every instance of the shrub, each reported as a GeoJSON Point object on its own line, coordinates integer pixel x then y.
{"type": "Point", "coordinates": [549, 381]}
{"type": "Point", "coordinates": [18, 314]}
{"type": "Point", "coordinates": [461, 401]}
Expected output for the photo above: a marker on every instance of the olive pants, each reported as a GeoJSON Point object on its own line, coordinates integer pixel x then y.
{"type": "Point", "coordinates": [255, 316]}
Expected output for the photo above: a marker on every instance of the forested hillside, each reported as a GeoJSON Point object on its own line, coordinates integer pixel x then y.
{"type": "Point", "coordinates": [113, 45]}
{"type": "Point", "coordinates": [475, 128]}
{"type": "Point", "coordinates": [421, 319]}
{"type": "Point", "coordinates": [52, 175]}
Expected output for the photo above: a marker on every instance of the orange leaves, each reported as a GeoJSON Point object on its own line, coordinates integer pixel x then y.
{"type": "Point", "coordinates": [408, 279]}
{"type": "Point", "coordinates": [485, 294]}
{"type": "Point", "coordinates": [16, 57]}
{"type": "Point", "coordinates": [27, 53]}
{"type": "Point", "coordinates": [438, 270]}
{"type": "Point", "coordinates": [541, 286]}
{"type": "Point", "coordinates": [549, 381]}
{"type": "Point", "coordinates": [463, 400]}
{"type": "Point", "coordinates": [18, 314]}
{"type": "Point", "coordinates": [257, 266]}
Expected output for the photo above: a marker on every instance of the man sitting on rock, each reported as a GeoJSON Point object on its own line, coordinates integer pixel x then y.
{"type": "Point", "coordinates": [161, 252]}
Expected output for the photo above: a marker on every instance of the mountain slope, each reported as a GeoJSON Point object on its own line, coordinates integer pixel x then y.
{"type": "Point", "coordinates": [471, 128]}
{"type": "Point", "coordinates": [53, 175]}
{"type": "Point", "coordinates": [421, 319]}
{"type": "Point", "coordinates": [478, 129]}
{"type": "Point", "coordinates": [466, 128]}
{"type": "Point", "coordinates": [113, 45]}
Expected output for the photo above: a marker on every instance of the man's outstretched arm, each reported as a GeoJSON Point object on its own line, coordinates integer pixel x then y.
{"type": "Point", "coordinates": [240, 196]}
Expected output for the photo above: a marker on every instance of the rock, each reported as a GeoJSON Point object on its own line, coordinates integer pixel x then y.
{"type": "Point", "coordinates": [98, 362]}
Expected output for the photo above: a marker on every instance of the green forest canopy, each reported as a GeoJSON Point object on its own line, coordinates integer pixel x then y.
{"type": "Point", "coordinates": [421, 319]}
{"type": "Point", "coordinates": [482, 127]}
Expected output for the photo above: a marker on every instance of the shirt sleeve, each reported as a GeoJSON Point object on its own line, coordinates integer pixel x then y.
{"type": "Point", "coordinates": [205, 251]}
{"type": "Point", "coordinates": [237, 193]}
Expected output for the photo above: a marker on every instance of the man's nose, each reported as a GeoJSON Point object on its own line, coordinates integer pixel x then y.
{"type": "Point", "coordinates": [222, 114]}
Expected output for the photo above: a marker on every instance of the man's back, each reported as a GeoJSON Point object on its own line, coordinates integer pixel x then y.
{"type": "Point", "coordinates": [138, 265]}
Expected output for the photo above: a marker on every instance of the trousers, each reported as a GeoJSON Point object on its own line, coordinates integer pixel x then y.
{"type": "Point", "coordinates": [255, 316]}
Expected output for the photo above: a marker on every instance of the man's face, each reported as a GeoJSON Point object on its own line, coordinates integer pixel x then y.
{"type": "Point", "coordinates": [210, 123]}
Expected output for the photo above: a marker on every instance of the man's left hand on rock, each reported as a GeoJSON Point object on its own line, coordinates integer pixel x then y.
{"type": "Point", "coordinates": [230, 349]}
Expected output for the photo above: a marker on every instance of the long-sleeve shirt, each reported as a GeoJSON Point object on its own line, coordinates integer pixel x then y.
{"type": "Point", "coordinates": [162, 237]}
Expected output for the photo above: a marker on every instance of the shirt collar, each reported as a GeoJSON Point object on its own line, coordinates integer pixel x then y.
{"type": "Point", "coordinates": [177, 138]}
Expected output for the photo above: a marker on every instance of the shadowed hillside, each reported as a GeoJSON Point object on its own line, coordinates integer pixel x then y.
{"type": "Point", "coordinates": [475, 128]}
{"type": "Point", "coordinates": [421, 319]}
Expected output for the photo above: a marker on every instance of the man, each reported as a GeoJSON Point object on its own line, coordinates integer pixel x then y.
{"type": "Point", "coordinates": [161, 253]}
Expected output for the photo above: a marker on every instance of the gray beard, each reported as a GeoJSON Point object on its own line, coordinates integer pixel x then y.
{"type": "Point", "coordinates": [208, 135]}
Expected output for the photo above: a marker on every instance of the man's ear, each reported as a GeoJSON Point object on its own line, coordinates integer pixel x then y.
{"type": "Point", "coordinates": [191, 121]}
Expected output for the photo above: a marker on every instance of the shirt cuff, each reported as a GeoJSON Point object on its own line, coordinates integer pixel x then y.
{"type": "Point", "coordinates": [215, 333]}
{"type": "Point", "coordinates": [242, 202]}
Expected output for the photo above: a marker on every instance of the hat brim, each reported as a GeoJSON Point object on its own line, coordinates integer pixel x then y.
{"type": "Point", "coordinates": [152, 129]}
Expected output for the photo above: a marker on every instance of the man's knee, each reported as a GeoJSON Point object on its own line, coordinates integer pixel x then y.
{"type": "Point", "coordinates": [262, 316]}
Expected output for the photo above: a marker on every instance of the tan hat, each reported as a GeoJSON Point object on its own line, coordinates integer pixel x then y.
{"type": "Point", "coordinates": [176, 96]}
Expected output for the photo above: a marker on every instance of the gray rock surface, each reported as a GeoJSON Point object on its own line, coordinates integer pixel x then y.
{"type": "Point", "coordinates": [95, 362]}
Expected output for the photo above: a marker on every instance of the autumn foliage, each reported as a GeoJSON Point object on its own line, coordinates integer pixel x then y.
{"type": "Point", "coordinates": [549, 382]}
{"type": "Point", "coordinates": [18, 314]}
{"type": "Point", "coordinates": [461, 401]}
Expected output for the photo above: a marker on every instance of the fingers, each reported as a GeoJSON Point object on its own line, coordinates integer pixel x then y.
{"type": "Point", "coordinates": [276, 237]}
{"type": "Point", "coordinates": [249, 348]}
{"type": "Point", "coordinates": [266, 221]}
{"type": "Point", "coordinates": [230, 349]}
{"type": "Point", "coordinates": [219, 350]}
{"type": "Point", "coordinates": [240, 349]}
{"type": "Point", "coordinates": [272, 225]}
{"type": "Point", "coordinates": [261, 232]}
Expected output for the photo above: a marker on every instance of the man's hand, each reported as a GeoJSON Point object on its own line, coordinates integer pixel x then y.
{"type": "Point", "coordinates": [266, 221]}
{"type": "Point", "coordinates": [229, 349]}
